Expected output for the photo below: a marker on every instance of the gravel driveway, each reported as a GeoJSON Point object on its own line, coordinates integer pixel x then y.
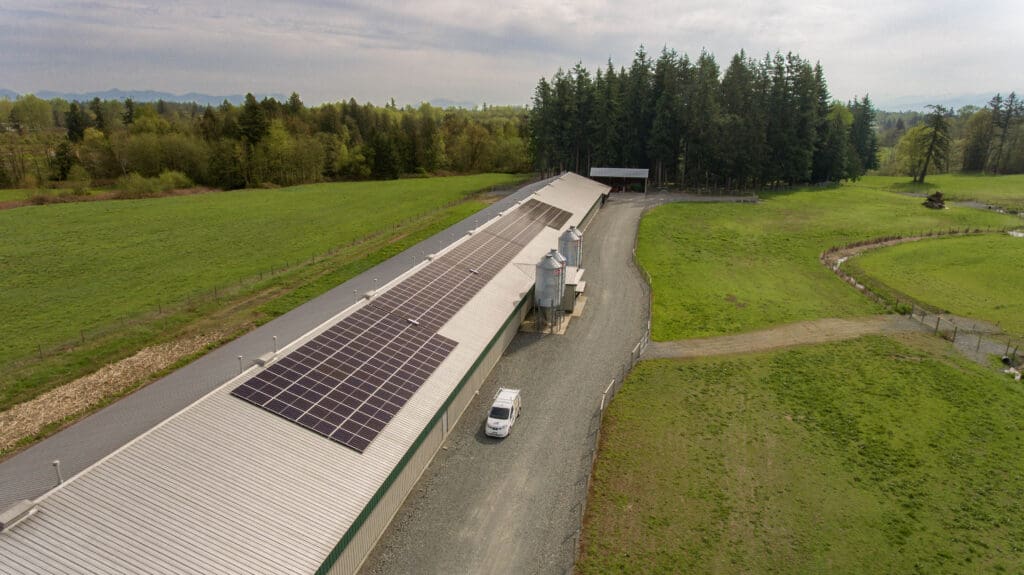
{"type": "Point", "coordinates": [514, 505]}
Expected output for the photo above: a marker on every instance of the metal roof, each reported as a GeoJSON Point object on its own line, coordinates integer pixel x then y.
{"type": "Point", "coordinates": [224, 486]}
{"type": "Point", "coordinates": [639, 173]}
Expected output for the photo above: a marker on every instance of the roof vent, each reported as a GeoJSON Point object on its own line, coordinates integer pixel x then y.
{"type": "Point", "coordinates": [21, 511]}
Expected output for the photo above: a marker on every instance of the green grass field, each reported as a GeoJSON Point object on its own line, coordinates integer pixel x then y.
{"type": "Point", "coordinates": [728, 268]}
{"type": "Point", "coordinates": [68, 267]}
{"type": "Point", "coordinates": [9, 194]}
{"type": "Point", "coordinates": [1004, 191]}
{"type": "Point", "coordinates": [979, 277]}
{"type": "Point", "coordinates": [868, 456]}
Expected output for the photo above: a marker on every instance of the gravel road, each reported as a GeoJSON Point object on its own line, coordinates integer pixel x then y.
{"type": "Point", "coordinates": [514, 505]}
{"type": "Point", "coordinates": [799, 333]}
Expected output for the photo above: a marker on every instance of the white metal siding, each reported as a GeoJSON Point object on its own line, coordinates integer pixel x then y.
{"type": "Point", "coordinates": [226, 487]}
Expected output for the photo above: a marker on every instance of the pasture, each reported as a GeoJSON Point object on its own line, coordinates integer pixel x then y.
{"type": "Point", "coordinates": [884, 454]}
{"type": "Point", "coordinates": [75, 267]}
{"type": "Point", "coordinates": [1003, 191]}
{"type": "Point", "coordinates": [728, 268]}
{"type": "Point", "coordinates": [978, 276]}
{"type": "Point", "coordinates": [874, 455]}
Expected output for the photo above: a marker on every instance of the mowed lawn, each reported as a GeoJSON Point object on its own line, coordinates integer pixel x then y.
{"type": "Point", "coordinates": [1003, 191]}
{"type": "Point", "coordinates": [68, 267]}
{"type": "Point", "coordinates": [868, 456]}
{"type": "Point", "coordinates": [728, 268]}
{"type": "Point", "coordinates": [979, 276]}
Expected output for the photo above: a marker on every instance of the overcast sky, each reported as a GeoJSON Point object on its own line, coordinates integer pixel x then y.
{"type": "Point", "coordinates": [477, 51]}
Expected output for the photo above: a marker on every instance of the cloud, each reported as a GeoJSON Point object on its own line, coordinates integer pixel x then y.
{"type": "Point", "coordinates": [493, 52]}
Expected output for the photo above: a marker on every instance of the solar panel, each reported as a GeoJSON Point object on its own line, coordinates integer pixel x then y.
{"type": "Point", "coordinates": [550, 215]}
{"type": "Point", "coordinates": [348, 382]}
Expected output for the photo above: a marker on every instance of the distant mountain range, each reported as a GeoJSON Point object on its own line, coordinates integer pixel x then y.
{"type": "Point", "coordinates": [891, 104]}
{"type": "Point", "coordinates": [919, 103]}
{"type": "Point", "coordinates": [201, 99]}
{"type": "Point", "coordinates": [143, 96]}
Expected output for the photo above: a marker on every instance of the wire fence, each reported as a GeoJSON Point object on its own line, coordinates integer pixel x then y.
{"type": "Point", "coordinates": [609, 392]}
{"type": "Point", "coordinates": [977, 339]}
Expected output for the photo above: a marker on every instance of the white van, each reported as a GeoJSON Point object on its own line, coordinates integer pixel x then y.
{"type": "Point", "coordinates": [504, 412]}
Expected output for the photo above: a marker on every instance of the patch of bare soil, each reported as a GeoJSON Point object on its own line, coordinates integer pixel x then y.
{"type": "Point", "coordinates": [96, 197]}
{"type": "Point", "coordinates": [28, 418]}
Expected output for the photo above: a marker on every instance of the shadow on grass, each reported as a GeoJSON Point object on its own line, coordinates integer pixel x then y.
{"type": "Point", "coordinates": [913, 187]}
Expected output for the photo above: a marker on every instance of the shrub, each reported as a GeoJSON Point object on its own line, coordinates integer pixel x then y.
{"type": "Point", "coordinates": [135, 186]}
{"type": "Point", "coordinates": [79, 180]}
{"type": "Point", "coordinates": [173, 180]}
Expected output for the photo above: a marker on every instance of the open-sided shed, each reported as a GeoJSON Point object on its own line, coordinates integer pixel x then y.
{"type": "Point", "coordinates": [620, 178]}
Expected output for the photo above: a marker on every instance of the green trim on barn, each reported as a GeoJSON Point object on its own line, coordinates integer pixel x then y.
{"type": "Point", "coordinates": [335, 553]}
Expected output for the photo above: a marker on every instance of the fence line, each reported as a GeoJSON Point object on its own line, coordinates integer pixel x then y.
{"type": "Point", "coordinates": [981, 341]}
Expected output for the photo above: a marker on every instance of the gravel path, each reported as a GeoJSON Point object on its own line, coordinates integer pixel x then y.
{"type": "Point", "coordinates": [514, 505]}
{"type": "Point", "coordinates": [800, 333]}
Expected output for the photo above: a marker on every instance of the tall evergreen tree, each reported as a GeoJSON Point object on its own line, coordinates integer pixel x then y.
{"type": "Point", "coordinates": [128, 116]}
{"type": "Point", "coordinates": [663, 146]}
{"type": "Point", "coordinates": [637, 110]}
{"type": "Point", "coordinates": [743, 121]}
{"type": "Point", "coordinates": [978, 136]}
{"type": "Point", "coordinates": [99, 118]}
{"type": "Point", "coordinates": [542, 126]}
{"type": "Point", "coordinates": [936, 143]}
{"type": "Point", "coordinates": [701, 144]}
{"type": "Point", "coordinates": [606, 124]}
{"type": "Point", "coordinates": [76, 122]}
{"type": "Point", "coordinates": [583, 90]}
{"type": "Point", "coordinates": [863, 135]}
{"type": "Point", "coordinates": [252, 123]}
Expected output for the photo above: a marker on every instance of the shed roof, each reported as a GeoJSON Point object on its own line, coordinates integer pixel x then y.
{"type": "Point", "coordinates": [224, 486]}
{"type": "Point", "coordinates": [631, 173]}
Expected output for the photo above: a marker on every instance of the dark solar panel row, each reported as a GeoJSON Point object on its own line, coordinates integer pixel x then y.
{"type": "Point", "coordinates": [437, 292]}
{"type": "Point", "coordinates": [348, 382]}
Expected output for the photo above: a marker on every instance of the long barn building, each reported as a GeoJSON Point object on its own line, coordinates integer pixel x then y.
{"type": "Point", "coordinates": [298, 466]}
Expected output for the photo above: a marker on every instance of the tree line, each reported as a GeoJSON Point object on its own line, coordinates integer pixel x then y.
{"type": "Point", "coordinates": [763, 122]}
{"type": "Point", "coordinates": [266, 142]}
{"type": "Point", "coordinates": [974, 139]}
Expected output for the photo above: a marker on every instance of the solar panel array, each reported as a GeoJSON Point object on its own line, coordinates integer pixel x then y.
{"type": "Point", "coordinates": [348, 382]}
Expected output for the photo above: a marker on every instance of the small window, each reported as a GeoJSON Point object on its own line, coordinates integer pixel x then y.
{"type": "Point", "coordinates": [500, 412]}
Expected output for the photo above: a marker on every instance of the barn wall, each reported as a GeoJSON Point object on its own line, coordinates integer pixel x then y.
{"type": "Point", "coordinates": [360, 539]}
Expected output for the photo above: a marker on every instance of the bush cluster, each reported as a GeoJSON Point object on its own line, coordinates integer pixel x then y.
{"type": "Point", "coordinates": [135, 186]}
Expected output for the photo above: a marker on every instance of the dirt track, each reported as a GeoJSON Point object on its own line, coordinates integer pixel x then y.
{"type": "Point", "coordinates": [801, 333]}
{"type": "Point", "coordinates": [67, 400]}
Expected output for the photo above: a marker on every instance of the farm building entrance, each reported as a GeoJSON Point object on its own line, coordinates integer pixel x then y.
{"type": "Point", "coordinates": [621, 179]}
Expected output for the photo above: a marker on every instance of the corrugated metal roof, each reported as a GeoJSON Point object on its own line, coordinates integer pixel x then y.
{"type": "Point", "coordinates": [619, 173]}
{"type": "Point", "coordinates": [224, 486]}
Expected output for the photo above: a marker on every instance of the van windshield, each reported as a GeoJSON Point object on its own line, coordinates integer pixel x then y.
{"type": "Point", "coordinates": [499, 412]}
